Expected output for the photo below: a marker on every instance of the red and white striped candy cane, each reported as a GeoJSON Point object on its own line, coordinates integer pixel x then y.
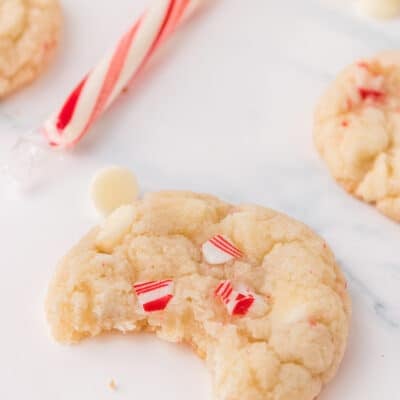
{"type": "Point", "coordinates": [154, 295]}
{"type": "Point", "coordinates": [237, 302]}
{"type": "Point", "coordinates": [106, 81]}
{"type": "Point", "coordinates": [219, 250]}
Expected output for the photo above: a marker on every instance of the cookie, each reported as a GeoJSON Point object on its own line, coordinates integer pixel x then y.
{"type": "Point", "coordinates": [379, 8]}
{"type": "Point", "coordinates": [357, 131]}
{"type": "Point", "coordinates": [270, 318]}
{"type": "Point", "coordinates": [29, 31]}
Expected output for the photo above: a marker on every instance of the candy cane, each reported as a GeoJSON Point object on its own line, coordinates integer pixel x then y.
{"type": "Point", "coordinates": [107, 80]}
{"type": "Point", "coordinates": [219, 249]}
{"type": "Point", "coordinates": [237, 302]}
{"type": "Point", "coordinates": [154, 295]}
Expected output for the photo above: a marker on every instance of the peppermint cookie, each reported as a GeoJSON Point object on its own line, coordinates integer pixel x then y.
{"type": "Point", "coordinates": [357, 131]}
{"type": "Point", "coordinates": [256, 294]}
{"type": "Point", "coordinates": [29, 31]}
{"type": "Point", "coordinates": [379, 8]}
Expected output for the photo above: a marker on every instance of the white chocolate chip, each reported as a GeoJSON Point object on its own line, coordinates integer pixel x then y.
{"type": "Point", "coordinates": [259, 307]}
{"type": "Point", "coordinates": [375, 184]}
{"type": "Point", "coordinates": [113, 187]}
{"type": "Point", "coordinates": [114, 228]}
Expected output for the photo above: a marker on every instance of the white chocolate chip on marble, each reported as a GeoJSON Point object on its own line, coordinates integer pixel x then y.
{"type": "Point", "coordinates": [113, 187]}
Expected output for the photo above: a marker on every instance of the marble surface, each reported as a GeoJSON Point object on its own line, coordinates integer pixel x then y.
{"type": "Point", "coordinates": [225, 108]}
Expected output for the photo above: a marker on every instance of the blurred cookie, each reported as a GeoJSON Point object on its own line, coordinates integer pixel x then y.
{"type": "Point", "coordinates": [29, 32]}
{"type": "Point", "coordinates": [381, 9]}
{"type": "Point", "coordinates": [357, 131]}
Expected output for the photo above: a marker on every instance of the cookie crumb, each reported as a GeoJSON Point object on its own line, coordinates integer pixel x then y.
{"type": "Point", "coordinates": [112, 385]}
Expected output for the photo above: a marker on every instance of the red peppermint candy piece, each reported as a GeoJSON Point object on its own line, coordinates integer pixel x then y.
{"type": "Point", "coordinates": [219, 250]}
{"type": "Point", "coordinates": [373, 94]}
{"type": "Point", "coordinates": [154, 295]}
{"type": "Point", "coordinates": [237, 302]}
{"type": "Point", "coordinates": [242, 304]}
{"type": "Point", "coordinates": [224, 290]}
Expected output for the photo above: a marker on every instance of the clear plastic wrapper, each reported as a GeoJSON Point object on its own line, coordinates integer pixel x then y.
{"type": "Point", "coordinates": [30, 162]}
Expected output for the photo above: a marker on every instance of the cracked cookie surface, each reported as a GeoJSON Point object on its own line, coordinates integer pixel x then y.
{"type": "Point", "coordinates": [29, 31]}
{"type": "Point", "coordinates": [357, 131]}
{"type": "Point", "coordinates": [287, 350]}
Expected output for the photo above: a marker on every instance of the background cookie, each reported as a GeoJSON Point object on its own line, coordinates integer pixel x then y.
{"type": "Point", "coordinates": [379, 8]}
{"type": "Point", "coordinates": [357, 131]}
{"type": "Point", "coordinates": [285, 346]}
{"type": "Point", "coordinates": [29, 31]}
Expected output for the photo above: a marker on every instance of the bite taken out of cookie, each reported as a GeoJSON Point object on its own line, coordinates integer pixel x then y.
{"type": "Point", "coordinates": [255, 293]}
{"type": "Point", "coordinates": [357, 131]}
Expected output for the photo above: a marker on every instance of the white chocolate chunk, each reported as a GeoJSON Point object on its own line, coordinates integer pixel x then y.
{"type": "Point", "coordinates": [113, 187]}
{"type": "Point", "coordinates": [379, 8]}
{"type": "Point", "coordinates": [260, 306]}
{"type": "Point", "coordinates": [114, 228]}
{"type": "Point", "coordinates": [375, 184]}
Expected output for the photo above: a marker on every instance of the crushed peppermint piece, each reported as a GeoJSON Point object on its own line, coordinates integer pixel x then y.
{"type": "Point", "coordinates": [154, 295]}
{"type": "Point", "coordinates": [237, 302]}
{"type": "Point", "coordinates": [370, 94]}
{"type": "Point", "coordinates": [219, 250]}
{"type": "Point", "coordinates": [363, 64]}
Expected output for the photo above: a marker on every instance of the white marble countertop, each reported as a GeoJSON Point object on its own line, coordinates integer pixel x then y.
{"type": "Point", "coordinates": [227, 109]}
